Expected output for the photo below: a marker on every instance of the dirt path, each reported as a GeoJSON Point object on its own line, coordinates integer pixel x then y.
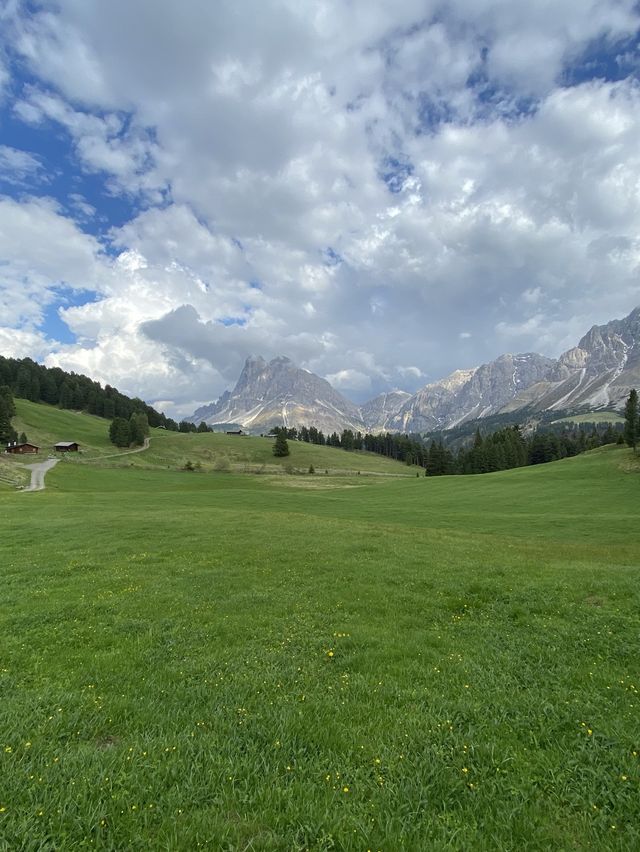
{"type": "Point", "coordinates": [38, 472]}
{"type": "Point", "coordinates": [145, 446]}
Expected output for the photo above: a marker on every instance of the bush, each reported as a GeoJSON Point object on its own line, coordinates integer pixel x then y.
{"type": "Point", "coordinates": [312, 469]}
{"type": "Point", "coordinates": [222, 464]}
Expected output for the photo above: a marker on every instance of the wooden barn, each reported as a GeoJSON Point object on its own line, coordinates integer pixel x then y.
{"type": "Point", "coordinates": [21, 449]}
{"type": "Point", "coordinates": [66, 447]}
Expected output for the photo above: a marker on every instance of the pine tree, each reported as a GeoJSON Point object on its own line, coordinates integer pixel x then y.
{"type": "Point", "coordinates": [7, 432]}
{"type": "Point", "coordinates": [281, 447]}
{"type": "Point", "coordinates": [7, 395]}
{"type": "Point", "coordinates": [138, 427]}
{"type": "Point", "coordinates": [119, 433]}
{"type": "Point", "coordinates": [135, 432]}
{"type": "Point", "coordinates": [632, 420]}
{"type": "Point", "coordinates": [66, 396]}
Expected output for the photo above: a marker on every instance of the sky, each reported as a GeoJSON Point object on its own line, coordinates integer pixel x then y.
{"type": "Point", "coordinates": [383, 192]}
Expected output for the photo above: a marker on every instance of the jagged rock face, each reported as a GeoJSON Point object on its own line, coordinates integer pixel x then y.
{"type": "Point", "coordinates": [468, 394]}
{"type": "Point", "coordinates": [379, 412]}
{"type": "Point", "coordinates": [599, 372]}
{"type": "Point", "coordinates": [280, 394]}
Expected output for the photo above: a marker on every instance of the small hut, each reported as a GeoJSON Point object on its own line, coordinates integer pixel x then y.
{"type": "Point", "coordinates": [21, 449]}
{"type": "Point", "coordinates": [66, 447]}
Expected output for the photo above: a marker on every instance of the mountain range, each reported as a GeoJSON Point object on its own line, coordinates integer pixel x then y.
{"type": "Point", "coordinates": [597, 373]}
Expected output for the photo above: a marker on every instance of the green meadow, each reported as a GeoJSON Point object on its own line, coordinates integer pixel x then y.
{"type": "Point", "coordinates": [250, 659]}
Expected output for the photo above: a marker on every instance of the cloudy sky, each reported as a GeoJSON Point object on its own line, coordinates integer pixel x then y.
{"type": "Point", "coordinates": [384, 192]}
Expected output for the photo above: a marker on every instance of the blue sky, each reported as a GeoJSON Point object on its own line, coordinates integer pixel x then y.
{"type": "Point", "coordinates": [383, 194]}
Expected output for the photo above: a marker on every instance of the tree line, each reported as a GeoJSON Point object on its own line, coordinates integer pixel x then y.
{"type": "Point", "coordinates": [7, 411]}
{"type": "Point", "coordinates": [501, 449]}
{"type": "Point", "coordinates": [29, 380]}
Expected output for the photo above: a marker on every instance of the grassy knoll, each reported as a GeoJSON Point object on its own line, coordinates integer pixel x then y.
{"type": "Point", "coordinates": [252, 454]}
{"type": "Point", "coordinates": [233, 662]}
{"type": "Point", "coordinates": [45, 425]}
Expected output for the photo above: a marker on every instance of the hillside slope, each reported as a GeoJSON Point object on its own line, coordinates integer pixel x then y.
{"type": "Point", "coordinates": [45, 424]}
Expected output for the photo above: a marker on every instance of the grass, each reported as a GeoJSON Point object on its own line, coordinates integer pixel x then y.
{"type": "Point", "coordinates": [593, 417]}
{"type": "Point", "coordinates": [12, 473]}
{"type": "Point", "coordinates": [235, 662]}
{"type": "Point", "coordinates": [45, 425]}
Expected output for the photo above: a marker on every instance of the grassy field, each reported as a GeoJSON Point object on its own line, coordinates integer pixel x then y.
{"type": "Point", "coordinates": [593, 417]}
{"type": "Point", "coordinates": [45, 425]}
{"type": "Point", "coordinates": [237, 662]}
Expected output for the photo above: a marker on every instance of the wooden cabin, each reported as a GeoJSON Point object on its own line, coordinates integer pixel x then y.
{"type": "Point", "coordinates": [21, 449]}
{"type": "Point", "coordinates": [66, 447]}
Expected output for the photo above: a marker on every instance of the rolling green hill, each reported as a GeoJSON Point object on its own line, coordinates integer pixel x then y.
{"type": "Point", "coordinates": [246, 662]}
{"type": "Point", "coordinates": [44, 425]}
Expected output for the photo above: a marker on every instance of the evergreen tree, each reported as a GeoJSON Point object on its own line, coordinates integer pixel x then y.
{"type": "Point", "coordinates": [139, 427]}
{"type": "Point", "coordinates": [119, 432]}
{"type": "Point", "coordinates": [5, 393]}
{"type": "Point", "coordinates": [281, 447]}
{"type": "Point", "coordinates": [136, 433]}
{"type": "Point", "coordinates": [202, 427]}
{"type": "Point", "coordinates": [347, 439]}
{"type": "Point", "coordinates": [7, 432]}
{"type": "Point", "coordinates": [23, 438]}
{"type": "Point", "coordinates": [66, 396]}
{"type": "Point", "coordinates": [632, 420]}
{"type": "Point", "coordinates": [23, 383]}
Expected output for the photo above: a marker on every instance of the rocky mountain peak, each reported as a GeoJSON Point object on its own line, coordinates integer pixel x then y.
{"type": "Point", "coordinates": [598, 372]}
{"type": "Point", "coordinates": [278, 393]}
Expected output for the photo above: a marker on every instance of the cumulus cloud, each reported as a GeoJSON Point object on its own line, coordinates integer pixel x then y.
{"type": "Point", "coordinates": [41, 250]}
{"type": "Point", "coordinates": [347, 185]}
{"type": "Point", "coordinates": [105, 143]}
{"type": "Point", "coordinates": [19, 343]}
{"type": "Point", "coordinates": [17, 166]}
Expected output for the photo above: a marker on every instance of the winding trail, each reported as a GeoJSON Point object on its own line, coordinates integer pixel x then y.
{"type": "Point", "coordinates": [145, 446]}
{"type": "Point", "coordinates": [38, 472]}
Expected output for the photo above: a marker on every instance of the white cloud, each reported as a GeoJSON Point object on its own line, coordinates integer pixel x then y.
{"type": "Point", "coordinates": [18, 343]}
{"type": "Point", "coordinates": [350, 380]}
{"type": "Point", "coordinates": [17, 165]}
{"type": "Point", "coordinates": [41, 250]}
{"type": "Point", "coordinates": [102, 143]}
{"type": "Point", "coordinates": [265, 130]}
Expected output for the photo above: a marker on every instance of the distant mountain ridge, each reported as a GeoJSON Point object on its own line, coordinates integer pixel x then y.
{"type": "Point", "coordinates": [597, 373]}
{"type": "Point", "coordinates": [278, 393]}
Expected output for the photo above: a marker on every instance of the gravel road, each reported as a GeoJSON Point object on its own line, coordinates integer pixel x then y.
{"type": "Point", "coordinates": [37, 474]}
